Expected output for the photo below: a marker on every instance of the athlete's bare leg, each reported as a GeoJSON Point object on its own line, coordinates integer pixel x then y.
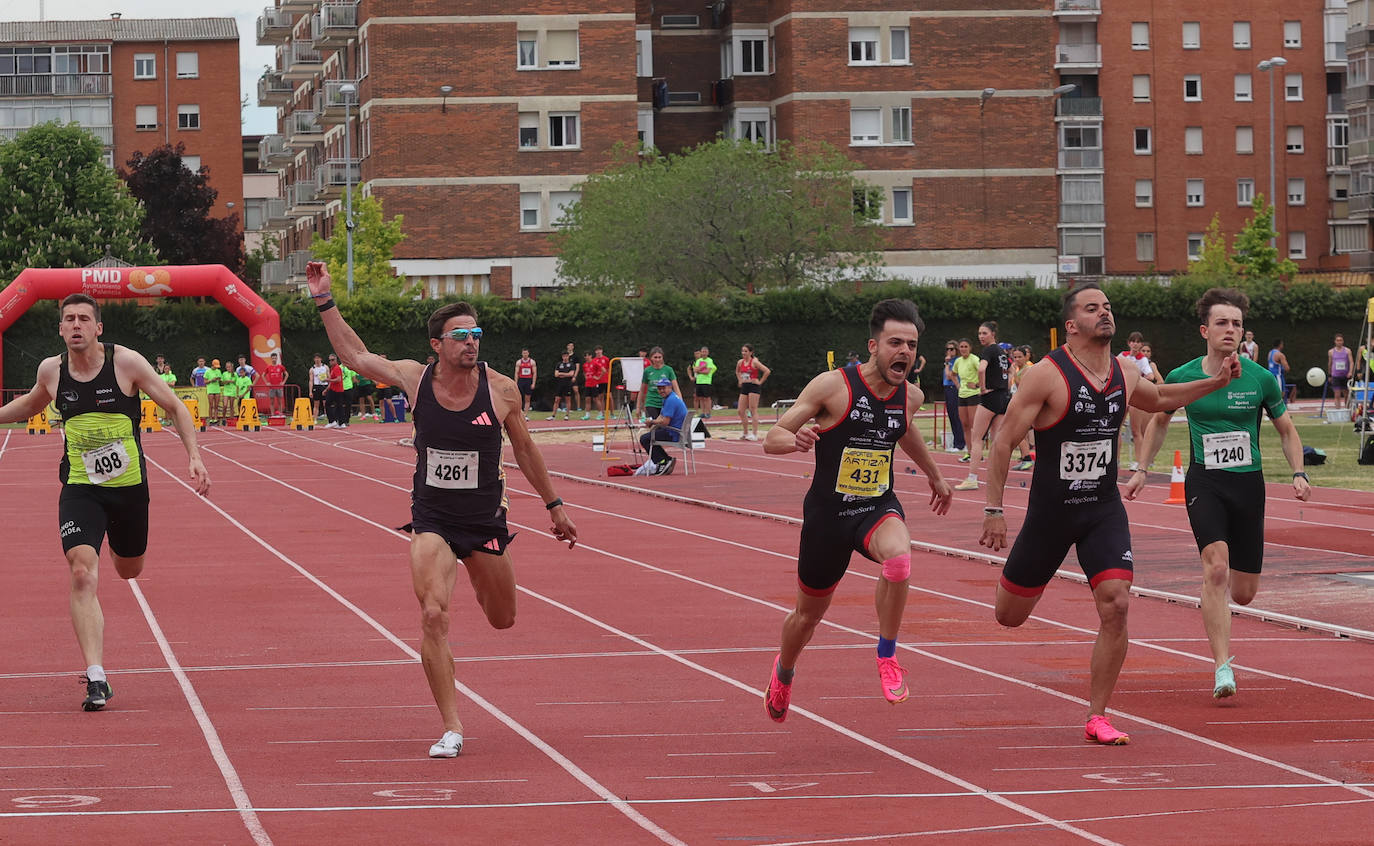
{"type": "Point", "coordinates": [1012, 609]}
{"type": "Point", "coordinates": [1220, 585]}
{"type": "Point", "coordinates": [1112, 597]}
{"type": "Point", "coordinates": [433, 569]}
{"type": "Point", "coordinates": [800, 625]}
{"type": "Point", "coordinates": [889, 540]}
{"type": "Point", "coordinates": [985, 423]}
{"type": "Point", "coordinates": [493, 585]}
{"type": "Point", "coordinates": [87, 618]}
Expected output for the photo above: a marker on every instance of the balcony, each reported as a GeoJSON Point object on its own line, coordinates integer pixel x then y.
{"type": "Point", "coordinates": [295, 6]}
{"type": "Point", "coordinates": [1358, 150]}
{"type": "Point", "coordinates": [274, 214]}
{"type": "Point", "coordinates": [303, 128]}
{"type": "Point", "coordinates": [296, 261]}
{"type": "Point", "coordinates": [274, 27]}
{"type": "Point", "coordinates": [1362, 261]}
{"type": "Point", "coordinates": [301, 60]}
{"type": "Point", "coordinates": [273, 274]}
{"type": "Point", "coordinates": [335, 24]}
{"type": "Point", "coordinates": [1337, 158]}
{"type": "Point", "coordinates": [273, 152]}
{"type": "Point", "coordinates": [1077, 8]}
{"type": "Point", "coordinates": [1335, 55]}
{"type": "Point", "coordinates": [330, 100]}
{"type": "Point", "coordinates": [1078, 56]}
{"type": "Point", "coordinates": [301, 198]}
{"type": "Point", "coordinates": [274, 89]}
{"type": "Point", "coordinates": [330, 177]}
{"type": "Point", "coordinates": [57, 84]}
{"type": "Point", "coordinates": [1335, 104]}
{"type": "Point", "coordinates": [1079, 213]}
{"type": "Point", "coordinates": [1078, 107]}
{"type": "Point", "coordinates": [1357, 39]}
{"type": "Point", "coordinates": [1080, 159]}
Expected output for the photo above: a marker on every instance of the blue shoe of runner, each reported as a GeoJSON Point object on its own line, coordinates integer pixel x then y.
{"type": "Point", "coordinates": [1225, 681]}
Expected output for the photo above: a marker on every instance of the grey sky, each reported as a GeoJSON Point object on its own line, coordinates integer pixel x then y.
{"type": "Point", "coordinates": [252, 58]}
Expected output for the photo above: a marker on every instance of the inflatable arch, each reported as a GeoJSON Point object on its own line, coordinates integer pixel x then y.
{"type": "Point", "coordinates": [108, 283]}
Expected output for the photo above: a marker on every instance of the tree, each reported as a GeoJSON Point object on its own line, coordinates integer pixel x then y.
{"type": "Point", "coordinates": [62, 206]}
{"type": "Point", "coordinates": [178, 203]}
{"type": "Point", "coordinates": [723, 215]}
{"type": "Point", "coordinates": [1254, 252]}
{"type": "Point", "coordinates": [1214, 266]}
{"type": "Point", "coordinates": [374, 242]}
{"type": "Point", "coordinates": [253, 262]}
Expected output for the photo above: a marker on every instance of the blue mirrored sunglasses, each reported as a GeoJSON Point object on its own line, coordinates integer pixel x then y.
{"type": "Point", "coordinates": [463, 334]}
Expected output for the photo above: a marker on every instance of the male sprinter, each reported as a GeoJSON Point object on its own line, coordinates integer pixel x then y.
{"type": "Point", "coordinates": [458, 503]}
{"type": "Point", "coordinates": [104, 484]}
{"type": "Point", "coordinates": [1076, 399]}
{"type": "Point", "coordinates": [1224, 487]}
{"type": "Point", "coordinates": [862, 412]}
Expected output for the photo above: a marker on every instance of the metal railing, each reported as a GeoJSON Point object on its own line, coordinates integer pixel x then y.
{"type": "Point", "coordinates": [271, 148]}
{"type": "Point", "coordinates": [1079, 106]}
{"type": "Point", "coordinates": [273, 25]}
{"type": "Point", "coordinates": [337, 173]}
{"type": "Point", "coordinates": [335, 20]}
{"type": "Point", "coordinates": [105, 134]}
{"type": "Point", "coordinates": [273, 273]}
{"type": "Point", "coordinates": [301, 193]}
{"type": "Point", "coordinates": [272, 85]}
{"type": "Point", "coordinates": [274, 212]}
{"type": "Point", "coordinates": [303, 53]}
{"type": "Point", "coordinates": [1085, 159]}
{"type": "Point", "coordinates": [296, 261]}
{"type": "Point", "coordinates": [1078, 54]}
{"type": "Point", "coordinates": [59, 84]}
{"type": "Point", "coordinates": [1082, 213]}
{"type": "Point", "coordinates": [1078, 6]}
{"type": "Point", "coordinates": [334, 96]}
{"type": "Point", "coordinates": [305, 122]}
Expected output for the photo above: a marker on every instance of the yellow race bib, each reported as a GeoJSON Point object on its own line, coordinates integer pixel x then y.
{"type": "Point", "coordinates": [864, 472]}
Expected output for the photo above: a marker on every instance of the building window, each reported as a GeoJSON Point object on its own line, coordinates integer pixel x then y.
{"type": "Point", "coordinates": [644, 53]}
{"type": "Point", "coordinates": [559, 203]}
{"type": "Point", "coordinates": [526, 50]}
{"type": "Point", "coordinates": [145, 66]}
{"type": "Point", "coordinates": [901, 124]}
{"type": "Point", "coordinates": [1297, 192]}
{"type": "Point", "coordinates": [1194, 246]}
{"type": "Point", "coordinates": [1350, 238]}
{"type": "Point", "coordinates": [753, 55]}
{"type": "Point", "coordinates": [1194, 193]}
{"type": "Point", "coordinates": [563, 131]}
{"type": "Point", "coordinates": [188, 65]}
{"type": "Point", "coordinates": [1192, 35]}
{"type": "Point", "coordinates": [868, 205]}
{"type": "Point", "coordinates": [1144, 193]}
{"type": "Point", "coordinates": [865, 126]}
{"type": "Point", "coordinates": [191, 163]}
{"type": "Point", "coordinates": [529, 130]}
{"type": "Point", "coordinates": [751, 125]}
{"type": "Point", "coordinates": [1245, 192]}
{"type": "Point", "coordinates": [188, 117]}
{"type": "Point", "coordinates": [1192, 88]}
{"type": "Point", "coordinates": [901, 205]}
{"type": "Point", "coordinates": [1292, 34]}
{"type": "Point", "coordinates": [1293, 139]}
{"type": "Point", "coordinates": [145, 117]}
{"type": "Point", "coordinates": [1245, 140]}
{"type": "Point", "coordinates": [646, 128]}
{"type": "Point", "coordinates": [1240, 35]}
{"type": "Point", "coordinates": [560, 48]}
{"type": "Point", "coordinates": [1292, 86]}
{"type": "Point", "coordinates": [1245, 91]}
{"type": "Point", "coordinates": [1140, 35]}
{"type": "Point", "coordinates": [1145, 246]}
{"type": "Point", "coordinates": [1142, 140]}
{"type": "Point", "coordinates": [1297, 245]}
{"type": "Point", "coordinates": [863, 45]}
{"type": "Point", "coordinates": [529, 209]}
{"type": "Point", "coordinates": [900, 39]}
{"type": "Point", "coordinates": [1140, 87]}
{"type": "Point", "coordinates": [1192, 140]}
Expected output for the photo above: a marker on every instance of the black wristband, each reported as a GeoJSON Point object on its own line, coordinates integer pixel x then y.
{"type": "Point", "coordinates": [992, 511]}
{"type": "Point", "coordinates": [1301, 474]}
{"type": "Point", "coordinates": [325, 306]}
{"type": "Point", "coordinates": [552, 505]}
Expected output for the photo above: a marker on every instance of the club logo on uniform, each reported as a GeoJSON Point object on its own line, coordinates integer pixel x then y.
{"type": "Point", "coordinates": [862, 401]}
{"type": "Point", "coordinates": [1083, 392]}
{"type": "Point", "coordinates": [69, 396]}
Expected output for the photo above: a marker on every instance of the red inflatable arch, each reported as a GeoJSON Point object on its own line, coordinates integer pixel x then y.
{"type": "Point", "coordinates": [108, 283]}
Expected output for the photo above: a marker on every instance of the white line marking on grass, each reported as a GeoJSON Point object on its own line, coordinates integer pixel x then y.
{"type": "Point", "coordinates": [207, 728]}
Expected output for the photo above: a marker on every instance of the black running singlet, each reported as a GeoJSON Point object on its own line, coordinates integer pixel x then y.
{"type": "Point", "coordinates": [854, 456]}
{"type": "Point", "coordinates": [100, 428]}
{"type": "Point", "coordinates": [458, 453]}
{"type": "Point", "coordinates": [1076, 457]}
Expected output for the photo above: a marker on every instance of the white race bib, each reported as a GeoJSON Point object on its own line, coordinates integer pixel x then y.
{"type": "Point", "coordinates": [1084, 460]}
{"type": "Point", "coordinates": [105, 463]}
{"type": "Point", "coordinates": [1226, 449]}
{"type": "Point", "coordinates": [450, 469]}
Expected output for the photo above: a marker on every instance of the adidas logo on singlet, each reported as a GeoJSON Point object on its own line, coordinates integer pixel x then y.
{"type": "Point", "coordinates": [482, 419]}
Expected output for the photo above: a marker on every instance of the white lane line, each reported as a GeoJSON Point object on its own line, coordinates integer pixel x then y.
{"type": "Point", "coordinates": [683, 734]}
{"type": "Point", "coordinates": [67, 788]}
{"type": "Point", "coordinates": [427, 782]}
{"type": "Point", "coordinates": [83, 746]}
{"type": "Point", "coordinates": [1283, 722]}
{"type": "Point", "coordinates": [834, 726]}
{"type": "Point", "coordinates": [961, 729]}
{"type": "Point", "coordinates": [714, 754]}
{"type": "Point", "coordinates": [207, 728]}
{"type": "Point", "coordinates": [624, 807]}
{"type": "Point", "coordinates": [1099, 766]}
{"type": "Point", "coordinates": [332, 707]}
{"type": "Point", "coordinates": [600, 702]}
{"type": "Point", "coordinates": [319, 740]}
{"type": "Point", "coordinates": [52, 767]}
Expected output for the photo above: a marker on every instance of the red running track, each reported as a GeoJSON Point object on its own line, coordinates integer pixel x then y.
{"type": "Point", "coordinates": [267, 688]}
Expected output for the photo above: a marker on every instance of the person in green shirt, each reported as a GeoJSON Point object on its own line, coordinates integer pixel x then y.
{"type": "Point", "coordinates": [229, 389]}
{"type": "Point", "coordinates": [652, 405]}
{"type": "Point", "coordinates": [168, 376]}
{"type": "Point", "coordinates": [350, 379]}
{"type": "Point", "coordinates": [212, 376]}
{"type": "Point", "coordinates": [965, 369]}
{"type": "Point", "coordinates": [243, 384]}
{"type": "Point", "coordinates": [703, 370]}
{"type": "Point", "coordinates": [1224, 487]}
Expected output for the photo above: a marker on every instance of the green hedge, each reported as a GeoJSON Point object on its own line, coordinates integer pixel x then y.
{"type": "Point", "coordinates": [790, 330]}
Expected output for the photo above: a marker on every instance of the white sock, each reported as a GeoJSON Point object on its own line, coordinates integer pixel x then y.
{"type": "Point", "coordinates": [973, 477]}
{"type": "Point", "coordinates": [95, 672]}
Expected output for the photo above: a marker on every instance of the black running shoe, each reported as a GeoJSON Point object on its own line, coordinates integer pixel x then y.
{"type": "Point", "coordinates": [97, 694]}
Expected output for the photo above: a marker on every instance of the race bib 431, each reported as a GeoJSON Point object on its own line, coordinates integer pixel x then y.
{"type": "Point", "coordinates": [864, 472]}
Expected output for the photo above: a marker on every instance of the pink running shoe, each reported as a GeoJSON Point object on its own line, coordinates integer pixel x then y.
{"type": "Point", "coordinates": [778, 697]}
{"type": "Point", "coordinates": [894, 685]}
{"type": "Point", "coordinates": [1099, 730]}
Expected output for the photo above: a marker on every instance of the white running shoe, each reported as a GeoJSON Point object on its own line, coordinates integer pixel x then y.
{"type": "Point", "coordinates": [751, 437]}
{"type": "Point", "coordinates": [331, 425]}
{"type": "Point", "coordinates": [447, 746]}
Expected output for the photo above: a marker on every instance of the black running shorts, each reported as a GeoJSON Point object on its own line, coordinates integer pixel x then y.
{"type": "Point", "coordinates": [1098, 530]}
{"type": "Point", "coordinates": [1229, 507]}
{"type": "Point", "coordinates": [465, 536]}
{"type": "Point", "coordinates": [829, 538]}
{"type": "Point", "coordinates": [749, 388]}
{"type": "Point", "coordinates": [87, 513]}
{"type": "Point", "coordinates": [996, 401]}
{"type": "Point", "coordinates": [526, 385]}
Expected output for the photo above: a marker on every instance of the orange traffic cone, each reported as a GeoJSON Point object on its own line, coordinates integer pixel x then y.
{"type": "Point", "coordinates": [1176, 480]}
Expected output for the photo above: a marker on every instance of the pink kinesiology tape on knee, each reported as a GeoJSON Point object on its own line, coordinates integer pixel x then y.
{"type": "Point", "coordinates": [897, 568]}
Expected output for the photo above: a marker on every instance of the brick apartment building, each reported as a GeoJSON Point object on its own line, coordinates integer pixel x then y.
{"type": "Point", "coordinates": [135, 84]}
{"type": "Point", "coordinates": [1359, 103]}
{"type": "Point", "coordinates": [478, 127]}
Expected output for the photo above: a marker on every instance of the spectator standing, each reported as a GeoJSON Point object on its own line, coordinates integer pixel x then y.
{"type": "Point", "coordinates": [564, 379]}
{"type": "Point", "coordinates": [751, 374]}
{"type": "Point", "coordinates": [365, 390]}
{"type": "Point", "coordinates": [966, 372]}
{"type": "Point", "coordinates": [215, 414]}
{"type": "Point", "coordinates": [576, 394]}
{"type": "Point", "coordinates": [994, 393]}
{"type": "Point", "coordinates": [229, 389]}
{"type": "Point", "coordinates": [319, 385]}
{"type": "Point", "coordinates": [1278, 365]}
{"type": "Point", "coordinates": [598, 370]}
{"type": "Point", "coordinates": [1248, 348]}
{"type": "Point", "coordinates": [525, 372]}
{"type": "Point", "coordinates": [704, 372]}
{"type": "Point", "coordinates": [336, 401]}
{"type": "Point", "coordinates": [1340, 363]}
{"type": "Point", "coordinates": [275, 375]}
{"type": "Point", "coordinates": [951, 384]}
{"type": "Point", "coordinates": [656, 370]}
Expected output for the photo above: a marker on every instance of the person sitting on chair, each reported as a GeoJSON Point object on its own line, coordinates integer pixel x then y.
{"type": "Point", "coordinates": [666, 427]}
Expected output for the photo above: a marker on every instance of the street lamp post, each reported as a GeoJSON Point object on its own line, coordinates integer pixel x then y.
{"type": "Point", "coordinates": [1268, 66]}
{"type": "Point", "coordinates": [348, 91]}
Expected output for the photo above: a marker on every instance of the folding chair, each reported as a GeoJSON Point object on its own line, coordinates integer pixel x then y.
{"type": "Point", "coordinates": [683, 443]}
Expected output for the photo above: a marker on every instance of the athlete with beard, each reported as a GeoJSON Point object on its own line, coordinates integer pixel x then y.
{"type": "Point", "coordinates": [458, 502]}
{"type": "Point", "coordinates": [95, 387]}
{"type": "Point", "coordinates": [861, 413]}
{"type": "Point", "coordinates": [1076, 399]}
